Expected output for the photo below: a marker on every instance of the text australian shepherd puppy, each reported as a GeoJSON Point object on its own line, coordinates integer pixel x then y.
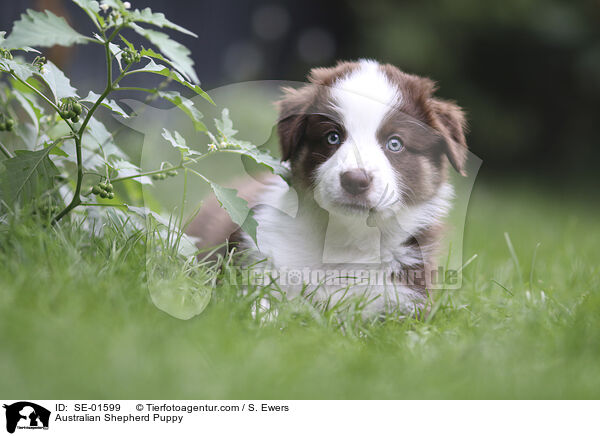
{"type": "Point", "coordinates": [369, 148]}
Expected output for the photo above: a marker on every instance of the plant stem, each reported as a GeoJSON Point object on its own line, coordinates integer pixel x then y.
{"type": "Point", "coordinates": [164, 170]}
{"type": "Point", "coordinates": [180, 166]}
{"type": "Point", "coordinates": [199, 175]}
{"type": "Point", "coordinates": [6, 151]}
{"type": "Point", "coordinates": [115, 32]}
{"type": "Point", "coordinates": [103, 205]}
{"type": "Point", "coordinates": [76, 200]}
{"type": "Point", "coordinates": [107, 91]}
{"type": "Point", "coordinates": [41, 94]}
{"type": "Point", "coordinates": [149, 173]}
{"type": "Point", "coordinates": [133, 88]}
{"type": "Point", "coordinates": [185, 175]}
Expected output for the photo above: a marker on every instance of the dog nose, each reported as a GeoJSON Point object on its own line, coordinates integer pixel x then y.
{"type": "Point", "coordinates": [355, 181]}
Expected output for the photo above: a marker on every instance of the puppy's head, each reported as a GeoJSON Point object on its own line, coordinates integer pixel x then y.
{"type": "Point", "coordinates": [368, 137]}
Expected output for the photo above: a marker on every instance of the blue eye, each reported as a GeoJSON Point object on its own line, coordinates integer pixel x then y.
{"type": "Point", "coordinates": [394, 144]}
{"type": "Point", "coordinates": [334, 138]}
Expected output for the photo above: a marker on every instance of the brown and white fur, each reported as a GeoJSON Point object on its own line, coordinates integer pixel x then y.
{"type": "Point", "coordinates": [358, 204]}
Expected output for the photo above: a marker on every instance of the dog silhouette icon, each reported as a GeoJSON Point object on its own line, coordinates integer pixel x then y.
{"type": "Point", "coordinates": [26, 414]}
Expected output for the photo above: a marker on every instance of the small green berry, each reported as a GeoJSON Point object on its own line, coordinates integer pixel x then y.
{"type": "Point", "coordinates": [10, 123]}
{"type": "Point", "coordinates": [110, 195]}
{"type": "Point", "coordinates": [156, 177]}
{"type": "Point", "coordinates": [75, 119]}
{"type": "Point", "coordinates": [2, 127]}
{"type": "Point", "coordinates": [5, 54]}
{"type": "Point", "coordinates": [102, 186]}
{"type": "Point", "coordinates": [131, 57]}
{"type": "Point", "coordinates": [109, 187]}
{"type": "Point", "coordinates": [96, 190]}
{"type": "Point", "coordinates": [39, 62]}
{"type": "Point", "coordinates": [77, 108]}
{"type": "Point", "coordinates": [103, 194]}
{"type": "Point", "coordinates": [172, 173]}
{"type": "Point", "coordinates": [64, 114]}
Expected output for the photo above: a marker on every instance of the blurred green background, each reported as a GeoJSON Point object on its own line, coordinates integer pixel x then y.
{"type": "Point", "coordinates": [526, 71]}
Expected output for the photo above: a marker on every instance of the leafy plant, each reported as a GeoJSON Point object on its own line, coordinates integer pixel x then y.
{"type": "Point", "coordinates": [55, 147]}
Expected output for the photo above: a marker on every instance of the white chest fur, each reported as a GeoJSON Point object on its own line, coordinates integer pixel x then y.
{"type": "Point", "coordinates": [301, 237]}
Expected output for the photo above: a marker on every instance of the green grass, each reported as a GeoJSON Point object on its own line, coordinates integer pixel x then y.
{"type": "Point", "coordinates": [76, 321]}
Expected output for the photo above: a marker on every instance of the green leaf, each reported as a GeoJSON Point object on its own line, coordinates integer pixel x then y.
{"type": "Point", "coordinates": [26, 176]}
{"type": "Point", "coordinates": [43, 29]}
{"type": "Point", "coordinates": [27, 131]}
{"type": "Point", "coordinates": [4, 45]}
{"type": "Point", "coordinates": [225, 125]}
{"type": "Point", "coordinates": [29, 106]}
{"type": "Point", "coordinates": [127, 43]}
{"type": "Point", "coordinates": [21, 69]}
{"type": "Point", "coordinates": [125, 168]}
{"type": "Point", "coordinates": [154, 68]}
{"type": "Point", "coordinates": [157, 19]}
{"type": "Point", "coordinates": [179, 142]}
{"type": "Point", "coordinates": [109, 104]}
{"type": "Point", "coordinates": [237, 208]}
{"type": "Point", "coordinates": [92, 160]}
{"type": "Point", "coordinates": [92, 9]}
{"type": "Point", "coordinates": [117, 53]}
{"type": "Point", "coordinates": [176, 53]}
{"type": "Point", "coordinates": [99, 132]}
{"type": "Point", "coordinates": [58, 152]}
{"type": "Point", "coordinates": [263, 157]}
{"type": "Point", "coordinates": [187, 106]}
{"type": "Point", "coordinates": [104, 139]}
{"type": "Point", "coordinates": [149, 53]}
{"type": "Point", "coordinates": [58, 83]}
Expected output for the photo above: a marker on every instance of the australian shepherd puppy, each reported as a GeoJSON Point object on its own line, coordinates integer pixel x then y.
{"type": "Point", "coordinates": [369, 149]}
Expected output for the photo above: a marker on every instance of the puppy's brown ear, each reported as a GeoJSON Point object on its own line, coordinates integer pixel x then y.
{"type": "Point", "coordinates": [449, 120]}
{"type": "Point", "coordinates": [292, 119]}
{"type": "Point", "coordinates": [290, 130]}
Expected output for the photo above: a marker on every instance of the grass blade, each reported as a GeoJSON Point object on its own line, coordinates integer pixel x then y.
{"type": "Point", "coordinates": [513, 254]}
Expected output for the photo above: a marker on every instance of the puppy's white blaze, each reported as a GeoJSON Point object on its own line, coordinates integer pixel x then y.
{"type": "Point", "coordinates": [367, 85]}
{"type": "Point", "coordinates": [362, 99]}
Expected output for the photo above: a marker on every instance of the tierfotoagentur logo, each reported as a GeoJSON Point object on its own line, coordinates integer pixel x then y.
{"type": "Point", "coordinates": [25, 415]}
